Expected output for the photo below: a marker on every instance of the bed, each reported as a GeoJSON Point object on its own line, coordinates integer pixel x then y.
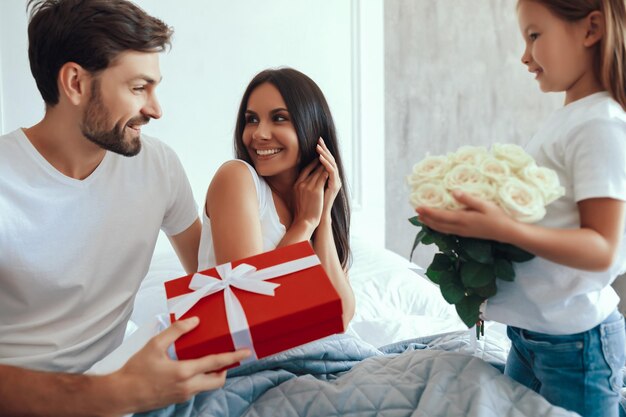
{"type": "Point", "coordinates": [405, 354]}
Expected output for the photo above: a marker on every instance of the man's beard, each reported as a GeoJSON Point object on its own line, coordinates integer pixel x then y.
{"type": "Point", "coordinates": [94, 125]}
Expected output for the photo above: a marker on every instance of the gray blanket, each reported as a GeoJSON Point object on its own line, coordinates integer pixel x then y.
{"type": "Point", "coordinates": [342, 375]}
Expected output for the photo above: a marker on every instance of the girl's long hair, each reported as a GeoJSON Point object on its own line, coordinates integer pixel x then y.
{"type": "Point", "coordinates": [610, 59]}
{"type": "Point", "coordinates": [311, 119]}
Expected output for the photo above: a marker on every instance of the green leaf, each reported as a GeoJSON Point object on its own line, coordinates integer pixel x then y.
{"type": "Point", "coordinates": [441, 240]}
{"type": "Point", "coordinates": [415, 221]}
{"type": "Point", "coordinates": [442, 245]}
{"type": "Point", "coordinates": [513, 253]}
{"type": "Point", "coordinates": [429, 237]}
{"type": "Point", "coordinates": [477, 249]}
{"type": "Point", "coordinates": [467, 309]}
{"type": "Point", "coordinates": [451, 287]}
{"type": "Point", "coordinates": [447, 243]}
{"type": "Point", "coordinates": [433, 275]}
{"type": "Point", "coordinates": [487, 291]}
{"type": "Point", "coordinates": [504, 269]}
{"type": "Point", "coordinates": [476, 275]}
{"type": "Point", "coordinates": [418, 238]}
{"type": "Point", "coordinates": [441, 262]}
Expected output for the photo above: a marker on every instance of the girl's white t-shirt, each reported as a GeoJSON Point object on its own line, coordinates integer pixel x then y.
{"type": "Point", "coordinates": [585, 143]}
{"type": "Point", "coordinates": [272, 229]}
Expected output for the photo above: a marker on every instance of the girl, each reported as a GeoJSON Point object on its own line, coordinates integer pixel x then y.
{"type": "Point", "coordinates": [567, 335]}
{"type": "Point", "coordinates": [285, 186]}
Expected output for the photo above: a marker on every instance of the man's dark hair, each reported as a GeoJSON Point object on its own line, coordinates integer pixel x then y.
{"type": "Point", "coordinates": [91, 33]}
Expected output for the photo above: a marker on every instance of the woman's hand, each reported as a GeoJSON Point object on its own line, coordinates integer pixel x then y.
{"type": "Point", "coordinates": [334, 180]}
{"type": "Point", "coordinates": [309, 195]}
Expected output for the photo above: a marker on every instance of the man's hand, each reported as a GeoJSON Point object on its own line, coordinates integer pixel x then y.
{"type": "Point", "coordinates": [150, 379]}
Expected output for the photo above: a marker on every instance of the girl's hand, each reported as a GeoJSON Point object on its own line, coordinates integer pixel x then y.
{"type": "Point", "coordinates": [309, 195]}
{"type": "Point", "coordinates": [481, 219]}
{"type": "Point", "coordinates": [334, 181]}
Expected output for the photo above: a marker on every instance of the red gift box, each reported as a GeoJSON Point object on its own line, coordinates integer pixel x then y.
{"type": "Point", "coordinates": [305, 305]}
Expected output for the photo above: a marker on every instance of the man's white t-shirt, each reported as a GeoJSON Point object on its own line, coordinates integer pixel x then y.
{"type": "Point", "coordinates": [585, 143]}
{"type": "Point", "coordinates": [74, 252]}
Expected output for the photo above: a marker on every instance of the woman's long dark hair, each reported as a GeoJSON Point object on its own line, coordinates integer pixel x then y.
{"type": "Point", "coordinates": [311, 119]}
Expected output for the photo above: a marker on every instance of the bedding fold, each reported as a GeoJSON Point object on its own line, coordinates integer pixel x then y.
{"type": "Point", "coordinates": [342, 375]}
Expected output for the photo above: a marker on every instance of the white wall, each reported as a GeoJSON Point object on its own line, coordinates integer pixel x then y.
{"type": "Point", "coordinates": [462, 85]}
{"type": "Point", "coordinates": [20, 103]}
{"type": "Point", "coordinates": [1, 97]}
{"type": "Point", "coordinates": [217, 48]}
{"type": "Point", "coordinates": [2, 36]}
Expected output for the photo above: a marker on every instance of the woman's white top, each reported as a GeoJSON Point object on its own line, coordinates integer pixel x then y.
{"type": "Point", "coordinates": [271, 227]}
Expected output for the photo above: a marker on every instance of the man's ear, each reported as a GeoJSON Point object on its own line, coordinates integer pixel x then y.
{"type": "Point", "coordinates": [595, 26]}
{"type": "Point", "coordinates": [74, 83]}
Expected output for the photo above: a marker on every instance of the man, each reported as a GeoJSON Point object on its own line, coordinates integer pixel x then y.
{"type": "Point", "coordinates": [82, 198]}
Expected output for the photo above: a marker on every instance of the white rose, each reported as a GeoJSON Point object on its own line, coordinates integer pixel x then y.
{"type": "Point", "coordinates": [462, 175]}
{"type": "Point", "coordinates": [471, 155]}
{"type": "Point", "coordinates": [494, 169]}
{"type": "Point", "coordinates": [483, 191]}
{"type": "Point", "coordinates": [545, 180]}
{"type": "Point", "coordinates": [521, 201]}
{"type": "Point", "coordinates": [513, 155]}
{"type": "Point", "coordinates": [428, 169]}
{"type": "Point", "coordinates": [430, 194]}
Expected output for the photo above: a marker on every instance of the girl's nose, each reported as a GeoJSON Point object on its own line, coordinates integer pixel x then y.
{"type": "Point", "coordinates": [526, 57]}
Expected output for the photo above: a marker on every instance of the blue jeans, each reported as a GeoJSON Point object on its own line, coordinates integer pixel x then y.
{"type": "Point", "coordinates": [580, 372]}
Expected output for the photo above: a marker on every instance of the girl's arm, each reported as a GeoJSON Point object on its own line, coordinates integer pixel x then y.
{"type": "Point", "coordinates": [592, 247]}
{"type": "Point", "coordinates": [233, 208]}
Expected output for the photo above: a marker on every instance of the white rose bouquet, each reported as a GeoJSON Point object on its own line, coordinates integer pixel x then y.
{"type": "Point", "coordinates": [465, 268]}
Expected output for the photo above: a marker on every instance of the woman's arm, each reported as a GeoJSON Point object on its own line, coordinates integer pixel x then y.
{"type": "Point", "coordinates": [592, 247]}
{"type": "Point", "coordinates": [324, 246]}
{"type": "Point", "coordinates": [323, 240]}
{"type": "Point", "coordinates": [233, 208]}
{"type": "Point", "coordinates": [308, 201]}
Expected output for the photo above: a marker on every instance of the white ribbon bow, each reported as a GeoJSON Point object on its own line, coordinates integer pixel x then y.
{"type": "Point", "coordinates": [245, 277]}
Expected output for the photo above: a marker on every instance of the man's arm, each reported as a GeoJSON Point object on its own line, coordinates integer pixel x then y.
{"type": "Point", "coordinates": [186, 245]}
{"type": "Point", "coordinates": [32, 393]}
{"type": "Point", "coordinates": [149, 380]}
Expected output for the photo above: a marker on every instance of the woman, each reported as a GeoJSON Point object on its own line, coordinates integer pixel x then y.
{"type": "Point", "coordinates": [286, 184]}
